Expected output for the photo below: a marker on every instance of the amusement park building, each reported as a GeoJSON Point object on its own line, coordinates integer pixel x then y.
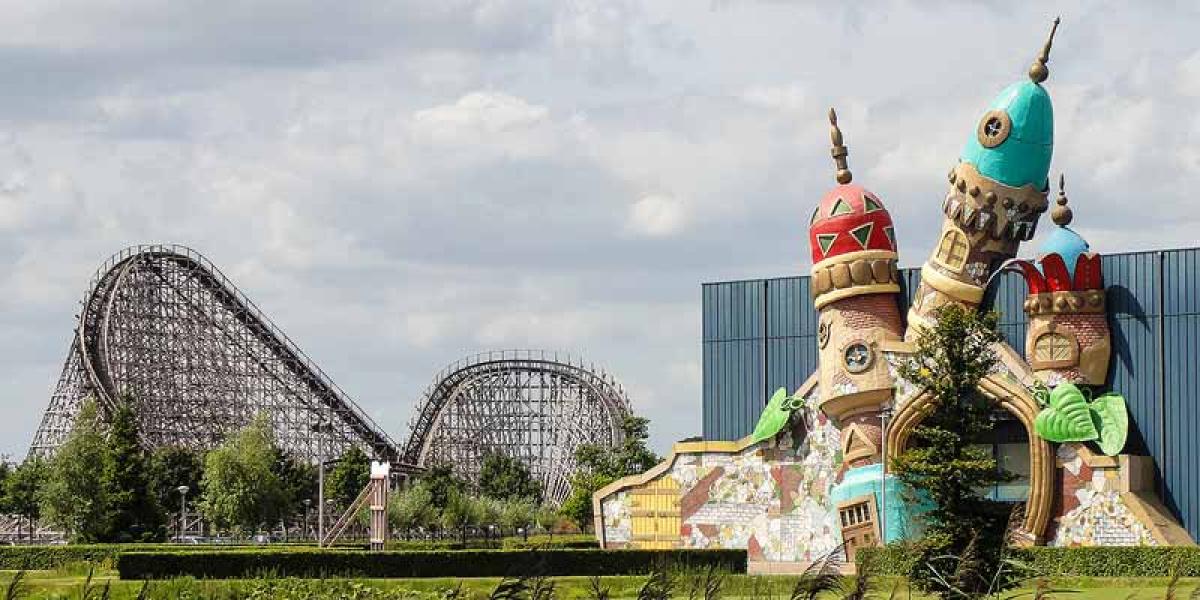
{"type": "Point", "coordinates": [761, 334]}
{"type": "Point", "coordinates": [807, 380]}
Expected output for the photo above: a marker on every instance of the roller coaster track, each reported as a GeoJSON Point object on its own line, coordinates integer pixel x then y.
{"type": "Point", "coordinates": [535, 406]}
{"type": "Point", "coordinates": [162, 327]}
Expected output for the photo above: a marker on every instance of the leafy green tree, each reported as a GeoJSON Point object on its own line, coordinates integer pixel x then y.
{"type": "Point", "coordinates": [504, 477]}
{"type": "Point", "coordinates": [299, 483]}
{"type": "Point", "coordinates": [22, 491]}
{"type": "Point", "coordinates": [944, 461]}
{"type": "Point", "coordinates": [136, 515]}
{"type": "Point", "coordinates": [171, 467]}
{"type": "Point", "coordinates": [599, 466]}
{"type": "Point", "coordinates": [412, 509]}
{"type": "Point", "coordinates": [75, 497]}
{"type": "Point", "coordinates": [461, 513]}
{"type": "Point", "coordinates": [442, 482]}
{"type": "Point", "coordinates": [351, 474]}
{"type": "Point", "coordinates": [240, 488]}
{"type": "Point", "coordinates": [517, 514]}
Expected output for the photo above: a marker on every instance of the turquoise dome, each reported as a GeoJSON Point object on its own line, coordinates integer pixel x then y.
{"type": "Point", "coordinates": [1064, 242]}
{"type": "Point", "coordinates": [1023, 158]}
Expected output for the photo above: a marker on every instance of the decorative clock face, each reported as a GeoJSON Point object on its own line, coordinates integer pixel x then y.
{"type": "Point", "coordinates": [857, 357]}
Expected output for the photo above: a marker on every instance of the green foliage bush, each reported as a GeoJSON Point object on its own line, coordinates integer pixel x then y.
{"type": "Point", "coordinates": [1125, 561]}
{"type": "Point", "coordinates": [461, 563]}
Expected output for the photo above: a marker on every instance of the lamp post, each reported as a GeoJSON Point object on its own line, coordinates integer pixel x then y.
{"type": "Point", "coordinates": [307, 517]}
{"type": "Point", "coordinates": [321, 428]}
{"type": "Point", "coordinates": [884, 416]}
{"type": "Point", "coordinates": [183, 491]}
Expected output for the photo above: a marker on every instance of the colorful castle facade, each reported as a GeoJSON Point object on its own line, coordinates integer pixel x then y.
{"type": "Point", "coordinates": [812, 478]}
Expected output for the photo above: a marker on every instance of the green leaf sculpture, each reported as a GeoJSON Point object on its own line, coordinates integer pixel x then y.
{"type": "Point", "coordinates": [1068, 418]}
{"type": "Point", "coordinates": [1112, 419]}
{"type": "Point", "coordinates": [776, 415]}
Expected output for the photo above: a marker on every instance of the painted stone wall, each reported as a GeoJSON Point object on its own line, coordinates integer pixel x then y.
{"type": "Point", "coordinates": [1090, 509]}
{"type": "Point", "coordinates": [771, 498]}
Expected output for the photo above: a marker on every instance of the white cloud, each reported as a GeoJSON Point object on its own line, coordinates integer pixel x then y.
{"type": "Point", "coordinates": [656, 216]}
{"type": "Point", "coordinates": [402, 183]}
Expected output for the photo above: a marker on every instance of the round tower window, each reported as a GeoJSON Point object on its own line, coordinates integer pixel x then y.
{"type": "Point", "coordinates": [994, 128]}
{"type": "Point", "coordinates": [857, 357]}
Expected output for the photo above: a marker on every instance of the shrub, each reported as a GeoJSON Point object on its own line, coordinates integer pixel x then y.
{"type": "Point", "coordinates": [461, 563]}
{"type": "Point", "coordinates": [1112, 561]}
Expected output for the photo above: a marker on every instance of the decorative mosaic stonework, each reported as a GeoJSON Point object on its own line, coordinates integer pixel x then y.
{"type": "Point", "coordinates": [770, 498]}
{"type": "Point", "coordinates": [1091, 507]}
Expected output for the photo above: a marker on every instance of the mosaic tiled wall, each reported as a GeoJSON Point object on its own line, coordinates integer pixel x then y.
{"type": "Point", "coordinates": [1090, 509]}
{"type": "Point", "coordinates": [771, 498]}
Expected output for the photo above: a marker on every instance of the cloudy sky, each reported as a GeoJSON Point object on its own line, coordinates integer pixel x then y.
{"type": "Point", "coordinates": [403, 183]}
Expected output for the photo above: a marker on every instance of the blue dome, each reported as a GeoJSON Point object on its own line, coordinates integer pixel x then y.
{"type": "Point", "coordinates": [1064, 242]}
{"type": "Point", "coordinates": [1023, 158]}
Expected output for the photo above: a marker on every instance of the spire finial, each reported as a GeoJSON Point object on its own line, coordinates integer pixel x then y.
{"type": "Point", "coordinates": [1061, 215]}
{"type": "Point", "coordinates": [839, 151]}
{"type": "Point", "coordinates": [1039, 72]}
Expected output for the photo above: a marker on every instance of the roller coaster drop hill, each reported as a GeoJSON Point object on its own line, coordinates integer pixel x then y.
{"type": "Point", "coordinates": [162, 326]}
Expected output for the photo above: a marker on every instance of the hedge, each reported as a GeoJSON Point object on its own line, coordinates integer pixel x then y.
{"type": "Point", "coordinates": [457, 563]}
{"type": "Point", "coordinates": [1110, 561]}
{"type": "Point", "coordinates": [43, 557]}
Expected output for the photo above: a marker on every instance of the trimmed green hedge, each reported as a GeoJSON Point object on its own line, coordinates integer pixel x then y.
{"type": "Point", "coordinates": [1113, 561]}
{"type": "Point", "coordinates": [455, 563]}
{"type": "Point", "coordinates": [43, 557]}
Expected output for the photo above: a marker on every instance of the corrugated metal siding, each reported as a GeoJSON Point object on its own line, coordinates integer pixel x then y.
{"type": "Point", "coordinates": [761, 334]}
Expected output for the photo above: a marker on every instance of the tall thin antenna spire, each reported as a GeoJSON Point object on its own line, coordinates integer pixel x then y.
{"type": "Point", "coordinates": [1039, 72]}
{"type": "Point", "coordinates": [839, 151]}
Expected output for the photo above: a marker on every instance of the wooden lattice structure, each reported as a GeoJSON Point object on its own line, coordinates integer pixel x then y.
{"type": "Point", "coordinates": [162, 327]}
{"type": "Point", "coordinates": [534, 406]}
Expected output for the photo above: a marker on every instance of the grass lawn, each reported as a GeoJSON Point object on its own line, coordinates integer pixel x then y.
{"type": "Point", "coordinates": [70, 583]}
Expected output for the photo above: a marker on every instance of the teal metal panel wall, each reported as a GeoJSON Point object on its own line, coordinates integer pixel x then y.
{"type": "Point", "coordinates": [761, 334]}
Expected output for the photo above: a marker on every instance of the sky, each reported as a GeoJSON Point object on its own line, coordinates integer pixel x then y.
{"type": "Point", "coordinates": [400, 184]}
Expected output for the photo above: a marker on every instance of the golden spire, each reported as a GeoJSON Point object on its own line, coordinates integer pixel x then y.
{"type": "Point", "coordinates": [1061, 215]}
{"type": "Point", "coordinates": [839, 151]}
{"type": "Point", "coordinates": [1038, 72]}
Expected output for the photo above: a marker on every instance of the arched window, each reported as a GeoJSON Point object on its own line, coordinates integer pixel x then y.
{"type": "Point", "coordinates": [1053, 350]}
{"type": "Point", "coordinates": [952, 250]}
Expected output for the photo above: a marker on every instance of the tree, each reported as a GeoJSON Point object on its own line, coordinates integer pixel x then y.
{"type": "Point", "coordinates": [599, 466]}
{"type": "Point", "coordinates": [348, 477]}
{"type": "Point", "coordinates": [22, 491]}
{"type": "Point", "coordinates": [171, 467]}
{"type": "Point", "coordinates": [411, 509]}
{"type": "Point", "coordinates": [944, 461]}
{"type": "Point", "coordinates": [298, 480]}
{"type": "Point", "coordinates": [75, 497]}
{"type": "Point", "coordinates": [503, 477]}
{"type": "Point", "coordinates": [135, 513]}
{"type": "Point", "coordinates": [517, 514]}
{"type": "Point", "coordinates": [461, 513]}
{"type": "Point", "coordinates": [240, 488]}
{"type": "Point", "coordinates": [442, 482]}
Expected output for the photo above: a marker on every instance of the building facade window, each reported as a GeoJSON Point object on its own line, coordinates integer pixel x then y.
{"type": "Point", "coordinates": [1053, 350]}
{"type": "Point", "coordinates": [952, 250]}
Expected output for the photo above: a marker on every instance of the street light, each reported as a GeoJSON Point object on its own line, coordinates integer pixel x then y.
{"type": "Point", "coordinates": [183, 491]}
{"type": "Point", "coordinates": [320, 428]}
{"type": "Point", "coordinates": [884, 416]}
{"type": "Point", "coordinates": [307, 517]}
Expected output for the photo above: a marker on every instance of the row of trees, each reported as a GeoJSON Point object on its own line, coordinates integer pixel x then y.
{"type": "Point", "coordinates": [103, 486]}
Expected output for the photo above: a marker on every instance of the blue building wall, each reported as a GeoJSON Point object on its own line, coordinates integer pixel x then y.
{"type": "Point", "coordinates": [760, 334]}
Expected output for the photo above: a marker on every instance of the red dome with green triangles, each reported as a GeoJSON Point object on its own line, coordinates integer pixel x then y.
{"type": "Point", "coordinates": [850, 219]}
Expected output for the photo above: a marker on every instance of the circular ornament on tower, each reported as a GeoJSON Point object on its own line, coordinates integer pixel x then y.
{"type": "Point", "coordinates": [994, 128]}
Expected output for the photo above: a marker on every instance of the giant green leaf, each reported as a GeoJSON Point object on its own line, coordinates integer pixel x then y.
{"type": "Point", "coordinates": [1068, 418]}
{"type": "Point", "coordinates": [1112, 419]}
{"type": "Point", "coordinates": [774, 417]}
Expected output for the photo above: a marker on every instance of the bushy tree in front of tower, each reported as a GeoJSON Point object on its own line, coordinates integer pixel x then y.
{"type": "Point", "coordinates": [135, 513]}
{"type": "Point", "coordinates": [75, 497]}
{"type": "Point", "coordinates": [600, 465]}
{"type": "Point", "coordinates": [943, 462]}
